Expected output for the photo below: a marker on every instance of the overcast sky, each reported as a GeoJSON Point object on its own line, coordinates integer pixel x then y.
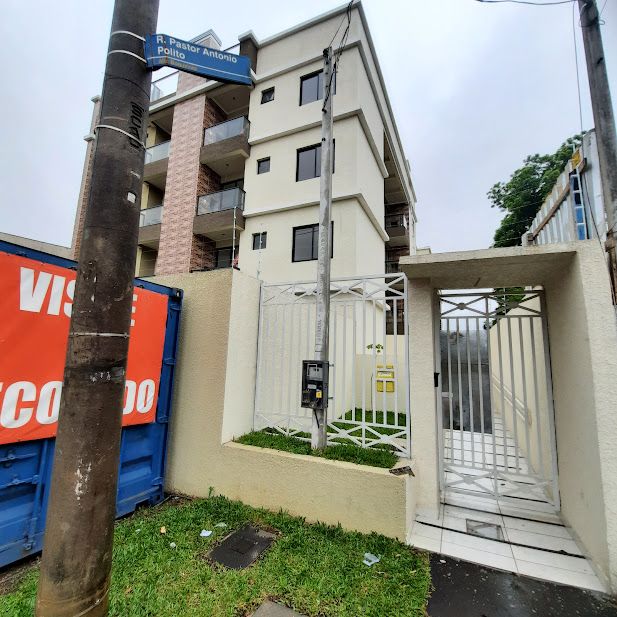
{"type": "Point", "coordinates": [475, 88]}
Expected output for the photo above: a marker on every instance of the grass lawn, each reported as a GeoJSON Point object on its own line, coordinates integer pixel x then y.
{"type": "Point", "coordinates": [375, 457]}
{"type": "Point", "coordinates": [314, 569]}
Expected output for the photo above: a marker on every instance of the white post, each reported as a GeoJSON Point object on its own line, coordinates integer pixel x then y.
{"type": "Point", "coordinates": [320, 416]}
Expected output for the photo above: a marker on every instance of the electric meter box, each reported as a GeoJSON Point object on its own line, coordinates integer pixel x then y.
{"type": "Point", "coordinates": [314, 383]}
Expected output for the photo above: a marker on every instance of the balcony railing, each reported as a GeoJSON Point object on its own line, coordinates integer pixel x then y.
{"type": "Point", "coordinates": [225, 130]}
{"type": "Point", "coordinates": [395, 221]}
{"type": "Point", "coordinates": [223, 200]}
{"type": "Point", "coordinates": [156, 153]}
{"type": "Point", "coordinates": [151, 216]}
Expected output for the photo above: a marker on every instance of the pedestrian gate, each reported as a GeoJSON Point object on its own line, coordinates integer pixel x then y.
{"type": "Point", "coordinates": [496, 418]}
{"type": "Point", "coordinates": [369, 361]}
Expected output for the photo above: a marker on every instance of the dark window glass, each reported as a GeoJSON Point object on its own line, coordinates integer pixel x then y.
{"type": "Point", "coordinates": [311, 87]}
{"type": "Point", "coordinates": [308, 161]}
{"type": "Point", "coordinates": [223, 258]}
{"type": "Point", "coordinates": [308, 164]}
{"type": "Point", "coordinates": [239, 184]}
{"type": "Point", "coordinates": [259, 240]}
{"type": "Point", "coordinates": [263, 166]}
{"type": "Point", "coordinates": [267, 95]}
{"type": "Point", "coordinates": [306, 242]}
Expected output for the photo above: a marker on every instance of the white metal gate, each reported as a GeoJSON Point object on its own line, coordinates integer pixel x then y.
{"type": "Point", "coordinates": [369, 355]}
{"type": "Point", "coordinates": [496, 421]}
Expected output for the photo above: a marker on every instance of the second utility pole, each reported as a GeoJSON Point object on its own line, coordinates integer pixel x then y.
{"type": "Point", "coordinates": [319, 434]}
{"type": "Point", "coordinates": [77, 550]}
{"type": "Point", "coordinates": [604, 121]}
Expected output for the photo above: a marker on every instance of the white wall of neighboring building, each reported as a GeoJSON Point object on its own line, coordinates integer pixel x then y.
{"type": "Point", "coordinates": [358, 248]}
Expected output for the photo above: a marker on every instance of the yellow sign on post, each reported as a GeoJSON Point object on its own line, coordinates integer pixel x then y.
{"type": "Point", "coordinates": [385, 376]}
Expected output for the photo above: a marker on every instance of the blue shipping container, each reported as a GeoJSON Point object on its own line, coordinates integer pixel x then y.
{"type": "Point", "coordinates": [25, 467]}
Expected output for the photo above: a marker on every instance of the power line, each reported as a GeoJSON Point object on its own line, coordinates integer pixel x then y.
{"type": "Point", "coordinates": [527, 2]}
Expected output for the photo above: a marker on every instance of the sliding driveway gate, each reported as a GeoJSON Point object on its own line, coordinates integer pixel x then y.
{"type": "Point", "coordinates": [369, 354]}
{"type": "Point", "coordinates": [497, 426]}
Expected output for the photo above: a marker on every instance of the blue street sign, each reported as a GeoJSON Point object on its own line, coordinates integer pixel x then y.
{"type": "Point", "coordinates": [164, 50]}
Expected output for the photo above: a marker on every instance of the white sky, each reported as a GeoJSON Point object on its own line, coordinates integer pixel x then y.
{"type": "Point", "coordinates": [474, 87]}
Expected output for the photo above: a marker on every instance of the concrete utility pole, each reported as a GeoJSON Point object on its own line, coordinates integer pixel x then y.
{"type": "Point", "coordinates": [604, 121]}
{"type": "Point", "coordinates": [322, 328]}
{"type": "Point", "coordinates": [76, 563]}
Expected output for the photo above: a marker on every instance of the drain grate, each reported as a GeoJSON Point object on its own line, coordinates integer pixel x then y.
{"type": "Point", "coordinates": [241, 548]}
{"type": "Point", "coordinates": [491, 531]}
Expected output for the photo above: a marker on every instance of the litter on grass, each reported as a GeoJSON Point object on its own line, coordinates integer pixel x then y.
{"type": "Point", "coordinates": [172, 544]}
{"type": "Point", "coordinates": [221, 525]}
{"type": "Point", "coordinates": [163, 530]}
{"type": "Point", "coordinates": [370, 559]}
{"type": "Point", "coordinates": [205, 533]}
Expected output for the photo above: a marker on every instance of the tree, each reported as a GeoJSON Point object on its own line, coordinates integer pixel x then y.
{"type": "Point", "coordinates": [524, 193]}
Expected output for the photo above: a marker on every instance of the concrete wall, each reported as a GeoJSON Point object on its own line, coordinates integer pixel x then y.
{"type": "Point", "coordinates": [213, 402]}
{"type": "Point", "coordinates": [583, 342]}
{"type": "Point", "coordinates": [357, 247]}
{"type": "Point", "coordinates": [38, 245]}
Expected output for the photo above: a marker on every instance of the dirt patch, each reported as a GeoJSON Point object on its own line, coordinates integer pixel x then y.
{"type": "Point", "coordinates": [13, 575]}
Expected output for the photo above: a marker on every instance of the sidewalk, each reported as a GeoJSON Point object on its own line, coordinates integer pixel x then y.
{"type": "Point", "coordinates": [463, 588]}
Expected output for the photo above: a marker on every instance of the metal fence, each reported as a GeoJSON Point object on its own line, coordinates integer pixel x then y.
{"type": "Point", "coordinates": [497, 425]}
{"type": "Point", "coordinates": [369, 372]}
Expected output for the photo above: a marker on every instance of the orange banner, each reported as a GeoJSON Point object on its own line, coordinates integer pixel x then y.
{"type": "Point", "coordinates": [35, 309]}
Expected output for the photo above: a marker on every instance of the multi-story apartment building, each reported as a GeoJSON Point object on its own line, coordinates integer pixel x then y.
{"type": "Point", "coordinates": [231, 174]}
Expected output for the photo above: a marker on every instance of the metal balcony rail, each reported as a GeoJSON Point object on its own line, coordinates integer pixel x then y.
{"type": "Point", "coordinates": [227, 129]}
{"type": "Point", "coordinates": [164, 86]}
{"type": "Point", "coordinates": [222, 200]}
{"type": "Point", "coordinates": [158, 152]}
{"type": "Point", "coordinates": [151, 216]}
{"type": "Point", "coordinates": [396, 220]}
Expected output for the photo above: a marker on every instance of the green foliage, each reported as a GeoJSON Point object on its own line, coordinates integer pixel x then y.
{"type": "Point", "coordinates": [316, 570]}
{"type": "Point", "coordinates": [524, 193]}
{"type": "Point", "coordinates": [341, 452]}
{"type": "Point", "coordinates": [506, 297]}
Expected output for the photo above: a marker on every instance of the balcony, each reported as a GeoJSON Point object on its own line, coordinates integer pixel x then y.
{"type": "Point", "coordinates": [397, 228]}
{"type": "Point", "coordinates": [155, 169]}
{"type": "Point", "coordinates": [150, 226]}
{"type": "Point", "coordinates": [158, 152]}
{"type": "Point", "coordinates": [226, 147]}
{"type": "Point", "coordinates": [216, 213]}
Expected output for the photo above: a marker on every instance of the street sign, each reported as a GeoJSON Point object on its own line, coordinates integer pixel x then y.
{"type": "Point", "coordinates": [163, 50]}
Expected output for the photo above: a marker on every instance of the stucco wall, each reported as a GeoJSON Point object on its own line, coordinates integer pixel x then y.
{"type": "Point", "coordinates": [210, 384]}
{"type": "Point", "coordinates": [583, 342]}
{"type": "Point", "coordinates": [424, 430]}
{"type": "Point", "coordinates": [353, 235]}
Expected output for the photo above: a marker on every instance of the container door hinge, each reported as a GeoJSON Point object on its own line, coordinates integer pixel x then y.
{"type": "Point", "coordinates": [157, 481]}
{"type": "Point", "coordinates": [169, 361]}
{"type": "Point", "coordinates": [18, 482]}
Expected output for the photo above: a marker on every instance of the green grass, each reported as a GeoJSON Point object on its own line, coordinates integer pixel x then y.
{"type": "Point", "coordinates": [375, 457]}
{"type": "Point", "coordinates": [315, 569]}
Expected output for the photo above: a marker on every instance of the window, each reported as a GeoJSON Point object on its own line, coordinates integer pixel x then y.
{"type": "Point", "coordinates": [306, 242]}
{"type": "Point", "coordinates": [223, 258]}
{"type": "Point", "coordinates": [311, 87]}
{"type": "Point", "coordinates": [263, 166]}
{"type": "Point", "coordinates": [259, 240]}
{"type": "Point", "coordinates": [267, 95]}
{"type": "Point", "coordinates": [308, 162]}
